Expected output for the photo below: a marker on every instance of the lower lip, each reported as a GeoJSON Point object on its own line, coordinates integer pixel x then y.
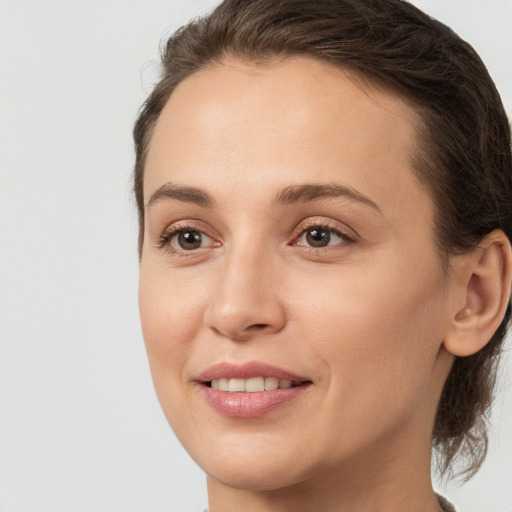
{"type": "Point", "coordinates": [250, 405]}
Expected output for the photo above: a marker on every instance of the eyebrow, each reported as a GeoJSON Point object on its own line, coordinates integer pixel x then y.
{"type": "Point", "coordinates": [289, 195]}
{"type": "Point", "coordinates": [181, 193]}
{"type": "Point", "coordinates": [311, 191]}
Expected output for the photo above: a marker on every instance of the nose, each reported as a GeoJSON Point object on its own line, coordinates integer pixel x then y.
{"type": "Point", "coordinates": [245, 300]}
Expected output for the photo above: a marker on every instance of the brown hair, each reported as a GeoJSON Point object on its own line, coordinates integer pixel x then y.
{"type": "Point", "coordinates": [463, 155]}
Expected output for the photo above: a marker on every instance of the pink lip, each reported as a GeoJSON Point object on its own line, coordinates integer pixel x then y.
{"type": "Point", "coordinates": [249, 405]}
{"type": "Point", "coordinates": [246, 371]}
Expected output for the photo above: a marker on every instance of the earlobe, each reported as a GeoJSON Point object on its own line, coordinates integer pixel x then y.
{"type": "Point", "coordinates": [486, 277]}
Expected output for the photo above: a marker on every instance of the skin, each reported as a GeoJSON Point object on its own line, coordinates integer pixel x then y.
{"type": "Point", "coordinates": [363, 318]}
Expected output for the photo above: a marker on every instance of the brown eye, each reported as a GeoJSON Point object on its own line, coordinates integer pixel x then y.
{"type": "Point", "coordinates": [318, 237]}
{"type": "Point", "coordinates": [189, 240]}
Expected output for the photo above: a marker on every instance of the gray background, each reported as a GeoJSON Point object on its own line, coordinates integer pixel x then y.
{"type": "Point", "coordinates": [80, 427]}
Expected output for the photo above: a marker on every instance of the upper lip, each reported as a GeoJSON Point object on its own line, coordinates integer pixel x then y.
{"type": "Point", "coordinates": [246, 371]}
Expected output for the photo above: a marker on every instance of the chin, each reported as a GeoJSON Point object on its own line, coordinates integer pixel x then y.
{"type": "Point", "coordinates": [254, 477]}
{"type": "Point", "coordinates": [253, 467]}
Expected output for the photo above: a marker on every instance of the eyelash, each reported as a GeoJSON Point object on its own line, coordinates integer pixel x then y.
{"type": "Point", "coordinates": [325, 226]}
{"type": "Point", "coordinates": [165, 239]}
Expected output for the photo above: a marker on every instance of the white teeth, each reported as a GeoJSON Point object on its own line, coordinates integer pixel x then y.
{"type": "Point", "coordinates": [252, 385]}
{"type": "Point", "coordinates": [255, 384]}
{"type": "Point", "coordinates": [236, 385]}
{"type": "Point", "coordinates": [223, 384]}
{"type": "Point", "coordinates": [271, 383]}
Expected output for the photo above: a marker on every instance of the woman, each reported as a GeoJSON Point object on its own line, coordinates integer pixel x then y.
{"type": "Point", "coordinates": [325, 206]}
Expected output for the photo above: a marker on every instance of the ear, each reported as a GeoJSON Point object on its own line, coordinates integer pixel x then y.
{"type": "Point", "coordinates": [482, 294]}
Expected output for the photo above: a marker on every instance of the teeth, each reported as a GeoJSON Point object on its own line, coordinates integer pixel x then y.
{"type": "Point", "coordinates": [285, 384]}
{"type": "Point", "coordinates": [236, 385]}
{"type": "Point", "coordinates": [271, 383]}
{"type": "Point", "coordinates": [252, 385]}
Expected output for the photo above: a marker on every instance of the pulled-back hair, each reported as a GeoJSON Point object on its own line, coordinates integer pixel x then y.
{"type": "Point", "coordinates": [463, 154]}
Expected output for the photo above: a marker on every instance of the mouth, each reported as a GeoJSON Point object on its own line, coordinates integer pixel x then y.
{"type": "Point", "coordinates": [250, 390]}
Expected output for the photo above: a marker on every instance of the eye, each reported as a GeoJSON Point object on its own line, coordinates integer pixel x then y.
{"type": "Point", "coordinates": [188, 240]}
{"type": "Point", "coordinates": [321, 236]}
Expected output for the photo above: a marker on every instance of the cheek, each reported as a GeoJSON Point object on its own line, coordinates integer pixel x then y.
{"type": "Point", "coordinates": [171, 312]}
{"type": "Point", "coordinates": [378, 334]}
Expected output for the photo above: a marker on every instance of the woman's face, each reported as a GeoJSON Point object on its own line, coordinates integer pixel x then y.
{"type": "Point", "coordinates": [287, 238]}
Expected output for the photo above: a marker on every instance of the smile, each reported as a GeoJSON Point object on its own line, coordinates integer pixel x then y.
{"type": "Point", "coordinates": [250, 390]}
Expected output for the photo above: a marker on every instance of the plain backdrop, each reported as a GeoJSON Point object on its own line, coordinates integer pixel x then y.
{"type": "Point", "coordinates": [80, 426]}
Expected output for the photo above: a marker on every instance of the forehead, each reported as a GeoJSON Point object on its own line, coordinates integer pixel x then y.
{"type": "Point", "coordinates": [296, 119]}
